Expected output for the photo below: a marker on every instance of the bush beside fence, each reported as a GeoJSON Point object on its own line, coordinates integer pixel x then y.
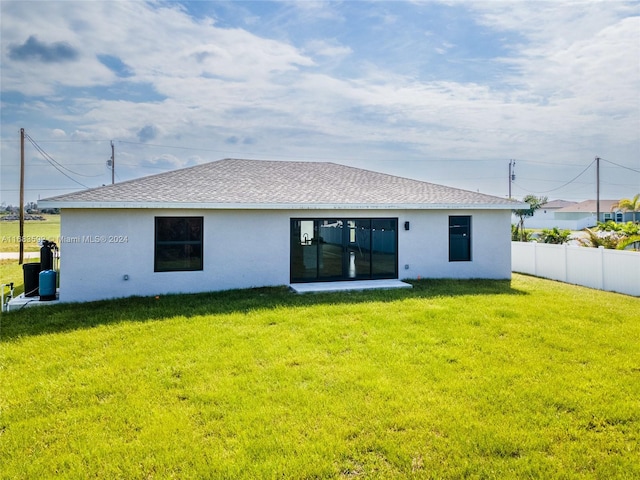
{"type": "Point", "coordinates": [611, 270]}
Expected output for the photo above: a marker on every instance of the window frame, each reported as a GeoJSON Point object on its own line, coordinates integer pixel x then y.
{"type": "Point", "coordinates": [454, 255]}
{"type": "Point", "coordinates": [158, 244]}
{"type": "Point", "coordinates": [347, 241]}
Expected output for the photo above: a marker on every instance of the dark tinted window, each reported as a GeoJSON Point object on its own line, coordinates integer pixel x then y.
{"type": "Point", "coordinates": [178, 244]}
{"type": "Point", "coordinates": [459, 239]}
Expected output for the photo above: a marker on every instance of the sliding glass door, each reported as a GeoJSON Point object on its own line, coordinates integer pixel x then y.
{"type": "Point", "coordinates": [329, 249]}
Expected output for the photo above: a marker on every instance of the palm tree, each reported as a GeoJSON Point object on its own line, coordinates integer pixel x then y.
{"type": "Point", "coordinates": [629, 205]}
{"type": "Point", "coordinates": [534, 204]}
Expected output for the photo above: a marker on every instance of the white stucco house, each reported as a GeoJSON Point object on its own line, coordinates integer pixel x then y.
{"type": "Point", "coordinates": [249, 223]}
{"type": "Point", "coordinates": [586, 212]}
{"type": "Point", "coordinates": [545, 217]}
{"type": "Point", "coordinates": [575, 215]}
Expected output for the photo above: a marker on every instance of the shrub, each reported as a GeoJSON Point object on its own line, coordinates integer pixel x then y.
{"type": "Point", "coordinates": [520, 236]}
{"type": "Point", "coordinates": [597, 239]}
{"type": "Point", "coordinates": [555, 236]}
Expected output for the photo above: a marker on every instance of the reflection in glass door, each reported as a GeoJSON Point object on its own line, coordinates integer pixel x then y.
{"type": "Point", "coordinates": [330, 248]}
{"type": "Point", "coordinates": [343, 249]}
{"type": "Point", "coordinates": [359, 249]}
{"type": "Point", "coordinates": [384, 248]}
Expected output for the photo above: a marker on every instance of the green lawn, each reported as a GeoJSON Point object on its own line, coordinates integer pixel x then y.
{"type": "Point", "coordinates": [10, 271]}
{"type": "Point", "coordinates": [34, 230]}
{"type": "Point", "coordinates": [452, 379]}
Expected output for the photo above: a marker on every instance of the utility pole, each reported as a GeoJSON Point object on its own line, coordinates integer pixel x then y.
{"type": "Point", "coordinates": [597, 189]}
{"type": "Point", "coordinates": [113, 164]}
{"type": "Point", "coordinates": [21, 214]}
{"type": "Point", "coordinates": [512, 174]}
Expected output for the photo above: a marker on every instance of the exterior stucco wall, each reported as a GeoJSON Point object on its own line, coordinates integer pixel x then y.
{"type": "Point", "coordinates": [241, 250]}
{"type": "Point", "coordinates": [425, 247]}
{"type": "Point", "coordinates": [244, 248]}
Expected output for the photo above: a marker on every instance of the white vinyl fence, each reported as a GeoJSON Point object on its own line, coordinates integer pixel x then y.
{"type": "Point", "coordinates": [612, 270]}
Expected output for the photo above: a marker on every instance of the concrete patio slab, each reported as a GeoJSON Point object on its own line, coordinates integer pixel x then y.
{"type": "Point", "coordinates": [20, 302]}
{"type": "Point", "coordinates": [317, 287]}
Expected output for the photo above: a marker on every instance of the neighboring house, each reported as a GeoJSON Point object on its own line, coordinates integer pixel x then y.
{"type": "Point", "coordinates": [250, 223]}
{"type": "Point", "coordinates": [574, 215]}
{"type": "Point", "coordinates": [585, 213]}
{"type": "Point", "coordinates": [545, 216]}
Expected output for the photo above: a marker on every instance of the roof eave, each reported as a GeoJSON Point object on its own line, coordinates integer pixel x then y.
{"type": "Point", "coordinates": [279, 206]}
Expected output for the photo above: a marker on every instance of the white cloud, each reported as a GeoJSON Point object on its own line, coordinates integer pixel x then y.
{"type": "Point", "coordinates": [168, 161]}
{"type": "Point", "coordinates": [58, 133]}
{"type": "Point", "coordinates": [327, 48]}
{"type": "Point", "coordinates": [155, 41]}
{"type": "Point", "coordinates": [315, 10]}
{"type": "Point", "coordinates": [572, 49]}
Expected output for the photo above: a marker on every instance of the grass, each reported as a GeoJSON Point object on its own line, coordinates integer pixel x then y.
{"type": "Point", "coordinates": [452, 379]}
{"type": "Point", "coordinates": [11, 271]}
{"type": "Point", "coordinates": [34, 230]}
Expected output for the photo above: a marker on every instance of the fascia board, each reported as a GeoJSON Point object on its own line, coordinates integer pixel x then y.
{"type": "Point", "coordinates": [279, 206]}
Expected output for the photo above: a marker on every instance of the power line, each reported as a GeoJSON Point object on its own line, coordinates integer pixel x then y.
{"type": "Point", "coordinates": [233, 152]}
{"type": "Point", "coordinates": [37, 189]}
{"type": "Point", "coordinates": [602, 182]}
{"type": "Point", "coordinates": [574, 188]}
{"type": "Point", "coordinates": [569, 182]}
{"type": "Point", "coordinates": [550, 180]}
{"type": "Point", "coordinates": [572, 180]}
{"type": "Point", "coordinates": [297, 156]}
{"type": "Point", "coordinates": [67, 141]}
{"type": "Point", "coordinates": [175, 147]}
{"type": "Point", "coordinates": [49, 159]}
{"type": "Point", "coordinates": [94, 164]}
{"type": "Point", "coordinates": [52, 161]}
{"type": "Point", "coordinates": [548, 163]}
{"type": "Point", "coordinates": [621, 166]}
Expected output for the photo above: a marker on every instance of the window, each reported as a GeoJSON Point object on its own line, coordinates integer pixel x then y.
{"type": "Point", "coordinates": [459, 239]}
{"type": "Point", "coordinates": [178, 244]}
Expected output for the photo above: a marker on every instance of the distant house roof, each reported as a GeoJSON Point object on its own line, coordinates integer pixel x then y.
{"type": "Point", "coordinates": [251, 184]}
{"type": "Point", "coordinates": [557, 204]}
{"type": "Point", "coordinates": [589, 206]}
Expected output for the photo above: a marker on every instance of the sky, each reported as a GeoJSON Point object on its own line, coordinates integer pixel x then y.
{"type": "Point", "coordinates": [447, 92]}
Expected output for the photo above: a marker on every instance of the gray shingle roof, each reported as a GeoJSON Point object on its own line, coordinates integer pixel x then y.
{"type": "Point", "coordinates": [234, 183]}
{"type": "Point", "coordinates": [557, 204]}
{"type": "Point", "coordinates": [589, 206]}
